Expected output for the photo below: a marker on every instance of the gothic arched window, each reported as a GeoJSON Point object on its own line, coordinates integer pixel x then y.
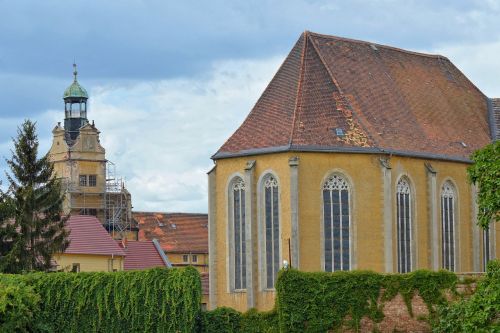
{"type": "Point", "coordinates": [271, 229]}
{"type": "Point", "coordinates": [238, 257]}
{"type": "Point", "coordinates": [404, 225]}
{"type": "Point", "coordinates": [448, 226]}
{"type": "Point", "coordinates": [336, 222]}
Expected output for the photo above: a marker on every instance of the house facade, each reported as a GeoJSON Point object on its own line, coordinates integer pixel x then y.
{"type": "Point", "coordinates": [91, 248]}
{"type": "Point", "coordinates": [182, 236]}
{"type": "Point", "coordinates": [354, 157]}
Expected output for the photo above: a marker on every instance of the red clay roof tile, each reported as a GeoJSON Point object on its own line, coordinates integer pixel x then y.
{"type": "Point", "coordinates": [88, 236]}
{"type": "Point", "coordinates": [141, 255]}
{"type": "Point", "coordinates": [176, 232]}
{"type": "Point", "coordinates": [383, 98]}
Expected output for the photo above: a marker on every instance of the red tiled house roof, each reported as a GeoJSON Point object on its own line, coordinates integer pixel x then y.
{"type": "Point", "coordinates": [384, 99]}
{"type": "Point", "coordinates": [88, 236]}
{"type": "Point", "coordinates": [176, 232]}
{"type": "Point", "coordinates": [142, 255]}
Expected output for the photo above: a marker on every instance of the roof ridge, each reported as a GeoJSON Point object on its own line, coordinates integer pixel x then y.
{"type": "Point", "coordinates": [299, 87]}
{"type": "Point", "coordinates": [359, 41]}
{"type": "Point", "coordinates": [337, 85]}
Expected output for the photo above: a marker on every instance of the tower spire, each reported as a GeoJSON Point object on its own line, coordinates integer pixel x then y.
{"type": "Point", "coordinates": [75, 72]}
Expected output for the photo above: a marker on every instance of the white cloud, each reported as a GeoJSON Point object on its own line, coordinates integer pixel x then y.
{"type": "Point", "coordinates": [161, 134]}
{"type": "Point", "coordinates": [479, 62]}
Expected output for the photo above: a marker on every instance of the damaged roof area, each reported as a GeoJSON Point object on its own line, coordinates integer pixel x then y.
{"type": "Point", "coordinates": [337, 94]}
{"type": "Point", "coordinates": [176, 232]}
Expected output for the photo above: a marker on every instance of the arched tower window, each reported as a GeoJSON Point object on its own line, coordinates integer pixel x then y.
{"type": "Point", "coordinates": [238, 257]}
{"type": "Point", "coordinates": [336, 222]}
{"type": "Point", "coordinates": [404, 225]}
{"type": "Point", "coordinates": [272, 230]}
{"type": "Point", "coordinates": [448, 203]}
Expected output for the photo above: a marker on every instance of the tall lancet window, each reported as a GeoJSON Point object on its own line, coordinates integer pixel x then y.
{"type": "Point", "coordinates": [336, 222]}
{"type": "Point", "coordinates": [272, 230]}
{"type": "Point", "coordinates": [486, 248]}
{"type": "Point", "coordinates": [448, 226]}
{"type": "Point", "coordinates": [404, 224]}
{"type": "Point", "coordinates": [238, 233]}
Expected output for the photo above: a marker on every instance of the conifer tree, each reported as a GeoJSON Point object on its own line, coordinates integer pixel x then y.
{"type": "Point", "coordinates": [32, 207]}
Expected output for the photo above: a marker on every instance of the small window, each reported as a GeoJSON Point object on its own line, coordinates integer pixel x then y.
{"type": "Point", "coordinates": [195, 258]}
{"type": "Point", "coordinates": [75, 268]}
{"type": "Point", "coordinates": [92, 180]}
{"type": "Point", "coordinates": [185, 258]}
{"type": "Point", "coordinates": [83, 180]}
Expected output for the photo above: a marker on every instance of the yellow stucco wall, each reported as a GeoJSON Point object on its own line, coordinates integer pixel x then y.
{"type": "Point", "coordinates": [177, 260]}
{"type": "Point", "coordinates": [89, 263]}
{"type": "Point", "coordinates": [365, 175]}
{"type": "Point", "coordinates": [85, 157]}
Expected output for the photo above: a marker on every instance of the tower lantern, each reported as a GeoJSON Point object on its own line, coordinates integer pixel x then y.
{"type": "Point", "coordinates": [75, 107]}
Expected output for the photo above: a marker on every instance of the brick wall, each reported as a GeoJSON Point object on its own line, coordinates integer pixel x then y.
{"type": "Point", "coordinates": [398, 319]}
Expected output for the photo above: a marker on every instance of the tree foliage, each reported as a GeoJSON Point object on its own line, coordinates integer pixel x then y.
{"type": "Point", "coordinates": [31, 225]}
{"type": "Point", "coordinates": [18, 306]}
{"type": "Point", "coordinates": [479, 313]}
{"type": "Point", "coordinates": [485, 172]}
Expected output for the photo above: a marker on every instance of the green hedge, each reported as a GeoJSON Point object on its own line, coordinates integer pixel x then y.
{"type": "Point", "coordinates": [18, 305]}
{"type": "Point", "coordinates": [479, 313]}
{"type": "Point", "coordinates": [227, 320]}
{"type": "Point", "coordinates": [318, 302]}
{"type": "Point", "coordinates": [157, 300]}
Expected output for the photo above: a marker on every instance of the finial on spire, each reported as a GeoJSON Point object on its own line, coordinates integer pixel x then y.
{"type": "Point", "coordinates": [75, 72]}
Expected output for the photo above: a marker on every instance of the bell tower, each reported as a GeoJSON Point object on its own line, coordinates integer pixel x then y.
{"type": "Point", "coordinates": [75, 107]}
{"type": "Point", "coordinates": [88, 178]}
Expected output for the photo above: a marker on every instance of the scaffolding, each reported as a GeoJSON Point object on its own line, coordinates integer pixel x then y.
{"type": "Point", "coordinates": [117, 204]}
{"type": "Point", "coordinates": [109, 202]}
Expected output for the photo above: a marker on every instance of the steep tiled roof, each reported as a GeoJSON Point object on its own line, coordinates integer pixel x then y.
{"type": "Point", "coordinates": [383, 99]}
{"type": "Point", "coordinates": [88, 236]}
{"type": "Point", "coordinates": [495, 117]}
{"type": "Point", "coordinates": [141, 255]}
{"type": "Point", "coordinates": [176, 232]}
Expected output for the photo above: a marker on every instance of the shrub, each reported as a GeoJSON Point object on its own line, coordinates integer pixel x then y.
{"type": "Point", "coordinates": [18, 305]}
{"type": "Point", "coordinates": [319, 302]}
{"type": "Point", "coordinates": [156, 300]}
{"type": "Point", "coordinates": [227, 320]}
{"type": "Point", "coordinates": [479, 313]}
{"type": "Point", "coordinates": [221, 320]}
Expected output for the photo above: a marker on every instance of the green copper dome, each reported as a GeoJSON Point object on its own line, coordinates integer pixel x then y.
{"type": "Point", "coordinates": [75, 90]}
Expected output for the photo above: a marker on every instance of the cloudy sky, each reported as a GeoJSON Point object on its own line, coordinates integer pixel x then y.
{"type": "Point", "coordinates": [169, 81]}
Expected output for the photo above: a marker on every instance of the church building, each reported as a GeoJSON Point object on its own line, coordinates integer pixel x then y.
{"type": "Point", "coordinates": [354, 157]}
{"type": "Point", "coordinates": [88, 178]}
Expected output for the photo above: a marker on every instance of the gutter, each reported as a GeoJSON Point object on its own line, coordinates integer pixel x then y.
{"type": "Point", "coordinates": [162, 253]}
{"type": "Point", "coordinates": [329, 149]}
